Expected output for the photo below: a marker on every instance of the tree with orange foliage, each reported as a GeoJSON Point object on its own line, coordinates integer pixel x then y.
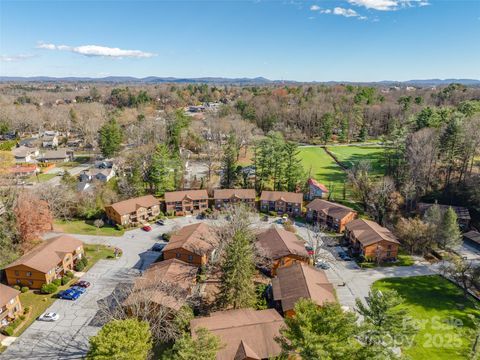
{"type": "Point", "coordinates": [33, 219]}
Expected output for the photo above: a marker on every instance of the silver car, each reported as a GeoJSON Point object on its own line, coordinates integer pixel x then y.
{"type": "Point", "coordinates": [51, 316]}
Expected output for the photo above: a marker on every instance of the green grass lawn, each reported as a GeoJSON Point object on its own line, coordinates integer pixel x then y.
{"type": "Point", "coordinates": [403, 260]}
{"type": "Point", "coordinates": [319, 165]}
{"type": "Point", "coordinates": [41, 177]}
{"type": "Point", "coordinates": [432, 301]}
{"type": "Point", "coordinates": [38, 303]}
{"type": "Point", "coordinates": [82, 227]}
{"type": "Point", "coordinates": [349, 155]}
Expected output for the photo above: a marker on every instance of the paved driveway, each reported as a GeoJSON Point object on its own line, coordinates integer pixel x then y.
{"type": "Point", "coordinates": [68, 337]}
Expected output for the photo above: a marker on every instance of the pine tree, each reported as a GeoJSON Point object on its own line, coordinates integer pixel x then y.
{"type": "Point", "coordinates": [159, 170]}
{"type": "Point", "coordinates": [204, 346]}
{"type": "Point", "coordinates": [238, 269]}
{"type": "Point", "coordinates": [293, 167]}
{"type": "Point", "coordinates": [110, 138]}
{"type": "Point", "coordinates": [229, 165]}
{"type": "Point", "coordinates": [449, 234]}
{"type": "Point", "coordinates": [433, 216]}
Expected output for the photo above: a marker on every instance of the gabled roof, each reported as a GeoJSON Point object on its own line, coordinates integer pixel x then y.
{"type": "Point", "coordinates": [301, 281]}
{"type": "Point", "coordinates": [47, 255]}
{"type": "Point", "coordinates": [317, 184]}
{"type": "Point", "coordinates": [369, 232]}
{"type": "Point", "coordinates": [472, 236]}
{"type": "Point", "coordinates": [174, 196]}
{"type": "Point", "coordinates": [131, 205]}
{"type": "Point", "coordinates": [197, 238]}
{"type": "Point", "coordinates": [238, 193]}
{"type": "Point", "coordinates": [277, 243]}
{"type": "Point", "coordinates": [7, 293]}
{"type": "Point", "coordinates": [281, 195]}
{"type": "Point", "coordinates": [243, 332]}
{"type": "Point", "coordinates": [462, 212]}
{"type": "Point", "coordinates": [23, 151]}
{"type": "Point", "coordinates": [150, 287]}
{"type": "Point", "coordinates": [329, 208]}
{"type": "Point", "coordinates": [55, 154]}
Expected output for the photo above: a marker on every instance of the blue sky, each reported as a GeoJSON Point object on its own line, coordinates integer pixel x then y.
{"type": "Point", "coordinates": [351, 40]}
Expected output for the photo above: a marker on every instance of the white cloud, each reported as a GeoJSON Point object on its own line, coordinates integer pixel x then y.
{"type": "Point", "coordinates": [388, 5]}
{"type": "Point", "coordinates": [345, 12]}
{"type": "Point", "coordinates": [314, 7]}
{"type": "Point", "coordinates": [15, 58]}
{"type": "Point", "coordinates": [326, 11]}
{"type": "Point", "coordinates": [96, 50]}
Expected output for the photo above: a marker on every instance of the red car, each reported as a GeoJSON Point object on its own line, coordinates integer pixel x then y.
{"type": "Point", "coordinates": [82, 283]}
{"type": "Point", "coordinates": [147, 228]}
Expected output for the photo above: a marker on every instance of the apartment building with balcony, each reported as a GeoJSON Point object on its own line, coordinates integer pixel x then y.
{"type": "Point", "coordinates": [331, 215]}
{"type": "Point", "coordinates": [10, 306]}
{"type": "Point", "coordinates": [187, 202]}
{"type": "Point", "coordinates": [134, 211]}
{"type": "Point", "coordinates": [281, 202]}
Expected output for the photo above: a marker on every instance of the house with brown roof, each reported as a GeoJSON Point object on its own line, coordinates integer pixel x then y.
{"type": "Point", "coordinates": [281, 202]}
{"type": "Point", "coordinates": [329, 214]}
{"type": "Point", "coordinates": [134, 211]}
{"type": "Point", "coordinates": [472, 238]}
{"type": "Point", "coordinates": [300, 281]}
{"type": "Point", "coordinates": [186, 202]}
{"type": "Point", "coordinates": [10, 306]}
{"type": "Point", "coordinates": [282, 248]}
{"type": "Point", "coordinates": [193, 244]}
{"type": "Point", "coordinates": [368, 239]}
{"type": "Point", "coordinates": [46, 262]}
{"type": "Point", "coordinates": [316, 190]}
{"type": "Point", "coordinates": [225, 197]}
{"type": "Point", "coordinates": [56, 156]}
{"type": "Point", "coordinates": [164, 284]}
{"type": "Point", "coordinates": [245, 334]}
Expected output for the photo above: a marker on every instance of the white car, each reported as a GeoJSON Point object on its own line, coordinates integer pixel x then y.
{"type": "Point", "coordinates": [51, 316]}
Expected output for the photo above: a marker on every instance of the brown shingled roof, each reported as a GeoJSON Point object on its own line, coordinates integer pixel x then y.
{"type": "Point", "coordinates": [369, 232]}
{"type": "Point", "coordinates": [229, 193]}
{"type": "Point", "coordinates": [174, 196]}
{"type": "Point", "coordinates": [334, 210]}
{"type": "Point", "coordinates": [151, 286]}
{"type": "Point", "coordinates": [128, 206]}
{"type": "Point", "coordinates": [290, 197]}
{"type": "Point", "coordinates": [197, 238]}
{"type": "Point", "coordinates": [47, 255]}
{"type": "Point", "coordinates": [472, 236]}
{"type": "Point", "coordinates": [277, 243]}
{"type": "Point", "coordinates": [244, 332]}
{"type": "Point", "coordinates": [300, 281]}
{"type": "Point", "coordinates": [462, 212]}
{"type": "Point", "coordinates": [6, 294]}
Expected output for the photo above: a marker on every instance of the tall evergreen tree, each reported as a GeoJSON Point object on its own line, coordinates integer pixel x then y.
{"type": "Point", "coordinates": [238, 269]}
{"type": "Point", "coordinates": [159, 170]}
{"type": "Point", "coordinates": [229, 164]}
{"type": "Point", "coordinates": [204, 346]}
{"type": "Point", "coordinates": [110, 138]}
{"type": "Point", "coordinates": [433, 216]}
{"type": "Point", "coordinates": [293, 167]}
{"type": "Point", "coordinates": [449, 234]}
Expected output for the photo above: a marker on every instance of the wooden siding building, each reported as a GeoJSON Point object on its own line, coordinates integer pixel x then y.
{"type": "Point", "coordinates": [329, 214]}
{"type": "Point", "coordinates": [186, 202]}
{"type": "Point", "coordinates": [134, 211]}
{"type": "Point", "coordinates": [281, 202]}
{"type": "Point", "coordinates": [10, 306]}
{"type": "Point", "coordinates": [225, 197]}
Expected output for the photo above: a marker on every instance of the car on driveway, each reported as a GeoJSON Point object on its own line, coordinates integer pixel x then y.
{"type": "Point", "coordinates": [158, 247]}
{"type": "Point", "coordinates": [82, 283]}
{"type": "Point", "coordinates": [160, 222]}
{"type": "Point", "coordinates": [322, 265]}
{"type": "Point", "coordinates": [50, 316]}
{"type": "Point", "coordinates": [69, 294]}
{"type": "Point", "coordinates": [79, 289]}
{"type": "Point", "coordinates": [147, 228]}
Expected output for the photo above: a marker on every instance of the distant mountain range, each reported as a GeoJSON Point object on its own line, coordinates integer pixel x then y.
{"type": "Point", "coordinates": [225, 81]}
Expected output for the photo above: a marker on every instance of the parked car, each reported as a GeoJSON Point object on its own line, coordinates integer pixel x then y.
{"type": "Point", "coordinates": [50, 316]}
{"type": "Point", "coordinates": [201, 216]}
{"type": "Point", "coordinates": [69, 294]}
{"type": "Point", "coordinates": [160, 222]}
{"type": "Point", "coordinates": [82, 283]}
{"type": "Point", "coordinates": [147, 228]}
{"type": "Point", "coordinates": [79, 289]}
{"type": "Point", "coordinates": [158, 247]}
{"type": "Point", "coordinates": [322, 265]}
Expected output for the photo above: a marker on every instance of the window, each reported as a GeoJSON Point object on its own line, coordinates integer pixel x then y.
{"type": "Point", "coordinates": [389, 253]}
{"type": "Point", "coordinates": [17, 273]}
{"type": "Point", "coordinates": [190, 258]}
{"type": "Point", "coordinates": [178, 255]}
{"type": "Point", "coordinates": [29, 273]}
{"type": "Point", "coordinates": [18, 282]}
{"type": "Point", "coordinates": [389, 247]}
{"type": "Point", "coordinates": [11, 301]}
{"type": "Point", "coordinates": [30, 282]}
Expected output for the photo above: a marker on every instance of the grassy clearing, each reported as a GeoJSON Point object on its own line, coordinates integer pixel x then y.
{"type": "Point", "coordinates": [95, 252]}
{"type": "Point", "coordinates": [84, 228]}
{"type": "Point", "coordinates": [350, 155]}
{"type": "Point", "coordinates": [436, 303]}
{"type": "Point", "coordinates": [403, 260]}
{"type": "Point", "coordinates": [319, 165]}
{"type": "Point", "coordinates": [41, 178]}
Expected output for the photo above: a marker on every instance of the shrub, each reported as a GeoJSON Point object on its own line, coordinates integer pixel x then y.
{"type": "Point", "coordinates": [84, 261]}
{"type": "Point", "coordinates": [22, 317]}
{"type": "Point", "coordinates": [8, 330]}
{"type": "Point", "coordinates": [98, 223]}
{"type": "Point", "coordinates": [170, 213]}
{"type": "Point", "coordinates": [57, 282]}
{"type": "Point", "coordinates": [166, 236]}
{"type": "Point", "coordinates": [118, 227]}
{"type": "Point", "coordinates": [272, 213]}
{"type": "Point", "coordinates": [69, 274]}
{"type": "Point", "coordinates": [24, 289]}
{"type": "Point", "coordinates": [79, 266]}
{"type": "Point", "coordinates": [49, 288]}
{"type": "Point", "coordinates": [66, 280]}
{"type": "Point", "coordinates": [26, 310]}
{"type": "Point", "coordinates": [16, 287]}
